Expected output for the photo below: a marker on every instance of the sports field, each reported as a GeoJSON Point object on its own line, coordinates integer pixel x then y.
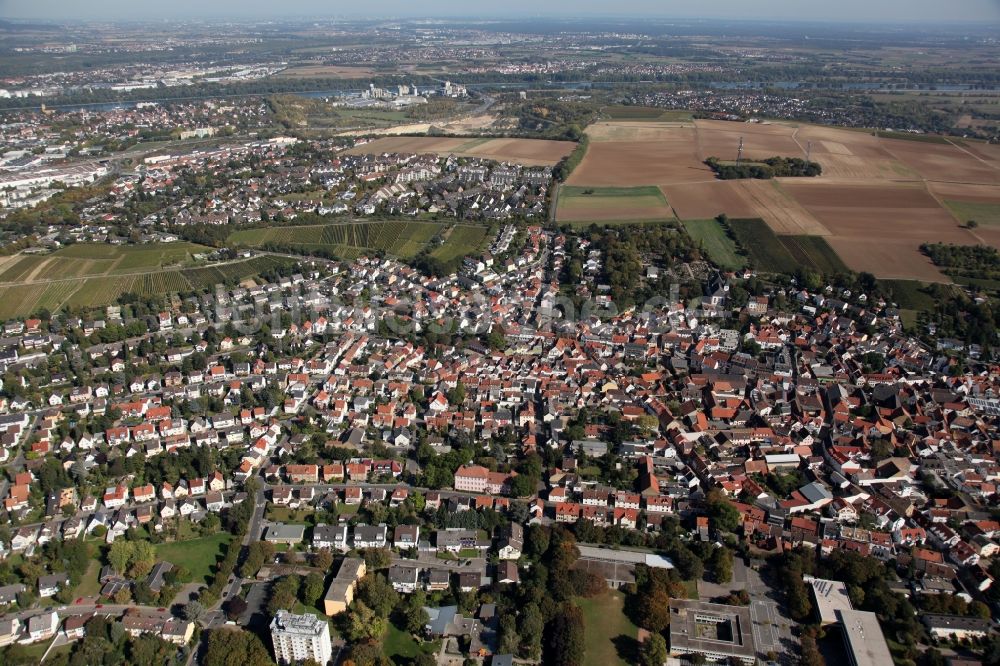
{"type": "Point", "coordinates": [597, 204]}
{"type": "Point", "coordinates": [611, 638]}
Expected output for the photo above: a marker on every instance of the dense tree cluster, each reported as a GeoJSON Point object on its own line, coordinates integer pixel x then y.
{"type": "Point", "coordinates": [771, 167]}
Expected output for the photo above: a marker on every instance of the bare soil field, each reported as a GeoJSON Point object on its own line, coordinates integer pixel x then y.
{"type": "Point", "coordinates": [719, 138]}
{"type": "Point", "coordinates": [776, 206]}
{"type": "Point", "coordinates": [621, 130]}
{"type": "Point", "coordinates": [341, 71]}
{"type": "Point", "coordinates": [876, 202]}
{"type": "Point", "coordinates": [850, 154]}
{"type": "Point", "coordinates": [530, 152]}
{"type": "Point", "coordinates": [990, 152]}
{"type": "Point", "coordinates": [966, 192]}
{"type": "Point", "coordinates": [886, 259]}
{"type": "Point", "coordinates": [699, 201]}
{"type": "Point", "coordinates": [848, 194]}
{"type": "Point", "coordinates": [943, 162]}
{"type": "Point", "coordinates": [628, 163]}
{"type": "Point", "coordinates": [879, 227]}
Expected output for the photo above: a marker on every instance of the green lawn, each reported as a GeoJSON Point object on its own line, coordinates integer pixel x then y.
{"type": "Point", "coordinates": [283, 514]}
{"type": "Point", "coordinates": [981, 212]}
{"type": "Point", "coordinates": [196, 555]}
{"type": "Point", "coordinates": [611, 638]}
{"type": "Point", "coordinates": [599, 204]}
{"type": "Point", "coordinates": [716, 242]}
{"type": "Point", "coordinates": [90, 584]}
{"type": "Point", "coordinates": [397, 643]}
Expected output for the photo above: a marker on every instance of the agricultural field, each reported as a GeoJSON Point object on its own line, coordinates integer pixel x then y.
{"type": "Point", "coordinates": [768, 251]}
{"type": "Point", "coordinates": [647, 113]}
{"type": "Point", "coordinates": [90, 259]}
{"type": "Point", "coordinates": [980, 212]}
{"type": "Point", "coordinates": [329, 71]}
{"type": "Point", "coordinates": [91, 274]}
{"type": "Point", "coordinates": [715, 240]}
{"type": "Point", "coordinates": [696, 201]}
{"type": "Point", "coordinates": [879, 227]}
{"type": "Point", "coordinates": [878, 199]}
{"type": "Point", "coordinates": [598, 204]}
{"type": "Point", "coordinates": [347, 240]}
{"type": "Point", "coordinates": [98, 290]}
{"type": "Point", "coordinates": [528, 152]}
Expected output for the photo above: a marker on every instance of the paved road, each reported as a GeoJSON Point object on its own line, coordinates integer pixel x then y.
{"type": "Point", "coordinates": [772, 631]}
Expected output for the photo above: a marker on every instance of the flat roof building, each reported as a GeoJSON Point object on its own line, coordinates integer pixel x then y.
{"type": "Point", "coordinates": [944, 626]}
{"type": "Point", "coordinates": [288, 534]}
{"type": "Point", "coordinates": [716, 631]}
{"type": "Point", "coordinates": [830, 596]}
{"type": "Point", "coordinates": [297, 638]}
{"type": "Point", "coordinates": [865, 643]}
{"type": "Point", "coordinates": [616, 566]}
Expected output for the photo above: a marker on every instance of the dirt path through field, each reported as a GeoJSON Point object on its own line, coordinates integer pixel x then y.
{"type": "Point", "coordinates": [37, 270]}
{"type": "Point", "coordinates": [973, 155]}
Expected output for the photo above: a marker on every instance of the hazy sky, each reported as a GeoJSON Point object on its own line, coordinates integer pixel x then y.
{"type": "Point", "coordinates": [842, 10]}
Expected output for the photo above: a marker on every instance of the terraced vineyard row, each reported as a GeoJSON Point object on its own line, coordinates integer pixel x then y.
{"type": "Point", "coordinates": [347, 240]}
{"type": "Point", "coordinates": [25, 299]}
{"type": "Point", "coordinates": [209, 276]}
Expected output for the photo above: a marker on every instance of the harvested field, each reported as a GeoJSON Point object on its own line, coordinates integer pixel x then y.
{"type": "Point", "coordinates": [943, 162]}
{"type": "Point", "coordinates": [886, 258]}
{"type": "Point", "coordinates": [583, 204]}
{"type": "Point", "coordinates": [329, 71]}
{"type": "Point", "coordinates": [695, 201]}
{"type": "Point", "coordinates": [529, 152]}
{"type": "Point", "coordinates": [879, 228]}
{"type": "Point", "coordinates": [622, 130]}
{"type": "Point", "coordinates": [876, 202]}
{"type": "Point", "coordinates": [719, 138]}
{"type": "Point", "coordinates": [630, 163]}
{"type": "Point", "coordinates": [773, 204]}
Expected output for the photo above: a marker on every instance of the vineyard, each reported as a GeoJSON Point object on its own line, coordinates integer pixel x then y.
{"type": "Point", "coordinates": [20, 300]}
{"type": "Point", "coordinates": [346, 240]}
{"type": "Point", "coordinates": [462, 241]}
{"type": "Point", "coordinates": [83, 260]}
